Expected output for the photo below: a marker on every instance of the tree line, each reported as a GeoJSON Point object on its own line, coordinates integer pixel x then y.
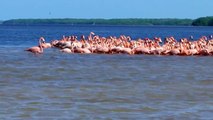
{"type": "Point", "coordinates": [203, 21]}
{"type": "Point", "coordinates": [99, 21]}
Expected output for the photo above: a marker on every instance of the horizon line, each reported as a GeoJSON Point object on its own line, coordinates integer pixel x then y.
{"type": "Point", "coordinates": [106, 18]}
{"type": "Point", "coordinates": [95, 18]}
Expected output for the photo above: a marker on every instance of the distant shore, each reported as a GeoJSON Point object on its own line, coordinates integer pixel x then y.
{"type": "Point", "coordinates": [203, 21]}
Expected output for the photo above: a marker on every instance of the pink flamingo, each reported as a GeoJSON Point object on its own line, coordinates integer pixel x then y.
{"type": "Point", "coordinates": [127, 51]}
{"type": "Point", "coordinates": [36, 49]}
{"type": "Point", "coordinates": [44, 44]}
{"type": "Point", "coordinates": [82, 50]}
{"type": "Point", "coordinates": [66, 50]}
{"type": "Point", "coordinates": [141, 50]}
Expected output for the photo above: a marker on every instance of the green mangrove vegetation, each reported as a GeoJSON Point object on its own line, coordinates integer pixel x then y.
{"type": "Point", "coordinates": [73, 21]}
{"type": "Point", "coordinates": [203, 21]}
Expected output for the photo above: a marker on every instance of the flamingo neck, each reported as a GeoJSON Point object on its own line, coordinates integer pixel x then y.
{"type": "Point", "coordinates": [40, 45]}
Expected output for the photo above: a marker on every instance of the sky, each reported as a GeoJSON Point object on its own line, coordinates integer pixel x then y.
{"type": "Point", "coordinates": [107, 9]}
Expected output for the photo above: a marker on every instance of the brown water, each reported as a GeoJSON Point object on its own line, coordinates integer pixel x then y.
{"type": "Point", "coordinates": [77, 86]}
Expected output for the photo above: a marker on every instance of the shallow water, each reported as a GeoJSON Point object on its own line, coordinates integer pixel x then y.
{"type": "Point", "coordinates": [77, 86]}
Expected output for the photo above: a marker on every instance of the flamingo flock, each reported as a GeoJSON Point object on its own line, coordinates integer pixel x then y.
{"type": "Point", "coordinates": [125, 45]}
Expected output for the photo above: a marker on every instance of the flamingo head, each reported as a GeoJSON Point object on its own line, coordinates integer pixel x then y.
{"type": "Point", "coordinates": [42, 40]}
{"type": "Point", "coordinates": [92, 33]}
{"type": "Point", "coordinates": [158, 39]}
